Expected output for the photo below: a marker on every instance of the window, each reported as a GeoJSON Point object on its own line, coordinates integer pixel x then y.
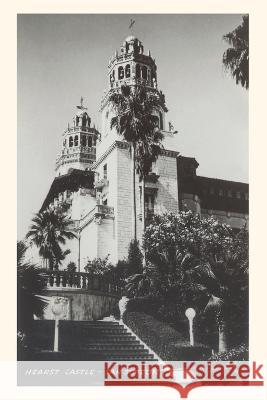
{"type": "Point", "coordinates": [70, 141]}
{"type": "Point", "coordinates": [220, 192]}
{"type": "Point", "coordinates": [160, 120]}
{"type": "Point", "coordinates": [84, 120]}
{"type": "Point", "coordinates": [138, 71]}
{"type": "Point", "coordinates": [127, 71]}
{"type": "Point", "coordinates": [105, 171]}
{"type": "Point", "coordinates": [83, 138]}
{"type": "Point", "coordinates": [149, 205]}
{"type": "Point", "coordinates": [76, 140]}
{"type": "Point", "coordinates": [120, 72]}
{"type": "Point", "coordinates": [89, 141]}
{"type": "Point", "coordinates": [144, 72]}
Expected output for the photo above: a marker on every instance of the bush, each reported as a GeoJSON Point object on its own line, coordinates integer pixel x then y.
{"type": "Point", "coordinates": [239, 353]}
{"type": "Point", "coordinates": [165, 341]}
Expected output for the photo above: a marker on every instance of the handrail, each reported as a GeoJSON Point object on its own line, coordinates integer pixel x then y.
{"type": "Point", "coordinates": [80, 280]}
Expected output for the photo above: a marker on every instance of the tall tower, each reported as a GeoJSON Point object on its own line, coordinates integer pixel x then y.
{"type": "Point", "coordinates": [114, 167]}
{"type": "Point", "coordinates": [79, 143]}
{"type": "Point", "coordinates": [130, 66]}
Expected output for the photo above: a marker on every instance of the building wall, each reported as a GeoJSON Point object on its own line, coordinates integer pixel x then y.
{"type": "Point", "coordinates": [88, 243]}
{"type": "Point", "coordinates": [167, 196]}
{"type": "Point", "coordinates": [124, 210]}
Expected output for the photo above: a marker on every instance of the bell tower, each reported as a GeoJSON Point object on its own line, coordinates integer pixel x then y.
{"type": "Point", "coordinates": [133, 67]}
{"type": "Point", "coordinates": [79, 143]}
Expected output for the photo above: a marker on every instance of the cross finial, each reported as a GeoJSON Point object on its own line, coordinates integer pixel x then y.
{"type": "Point", "coordinates": [81, 106]}
{"type": "Point", "coordinates": [132, 22]}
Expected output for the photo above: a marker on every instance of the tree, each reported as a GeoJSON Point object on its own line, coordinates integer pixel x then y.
{"type": "Point", "coordinates": [136, 122]}
{"type": "Point", "coordinates": [203, 264]}
{"type": "Point", "coordinates": [50, 229]}
{"type": "Point", "coordinates": [31, 283]}
{"type": "Point", "coordinates": [71, 267]}
{"type": "Point", "coordinates": [236, 57]}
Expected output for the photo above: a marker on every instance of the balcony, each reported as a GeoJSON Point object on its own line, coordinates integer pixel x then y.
{"type": "Point", "coordinates": [152, 177]}
{"type": "Point", "coordinates": [101, 183]}
{"type": "Point", "coordinates": [64, 280]}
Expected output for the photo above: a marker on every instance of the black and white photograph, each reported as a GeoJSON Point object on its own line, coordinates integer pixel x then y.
{"type": "Point", "coordinates": [132, 188]}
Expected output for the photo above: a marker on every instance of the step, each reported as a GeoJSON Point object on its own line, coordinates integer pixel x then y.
{"type": "Point", "coordinates": [86, 356]}
{"type": "Point", "coordinates": [109, 347]}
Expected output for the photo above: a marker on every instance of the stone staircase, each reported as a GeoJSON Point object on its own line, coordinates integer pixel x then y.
{"type": "Point", "coordinates": [84, 341]}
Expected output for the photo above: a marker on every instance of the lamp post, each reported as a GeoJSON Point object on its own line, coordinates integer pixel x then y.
{"type": "Point", "coordinates": [190, 314]}
{"type": "Point", "coordinates": [59, 310]}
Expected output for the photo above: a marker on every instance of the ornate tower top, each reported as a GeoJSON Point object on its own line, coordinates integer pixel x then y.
{"type": "Point", "coordinates": [131, 66]}
{"type": "Point", "coordinates": [79, 141]}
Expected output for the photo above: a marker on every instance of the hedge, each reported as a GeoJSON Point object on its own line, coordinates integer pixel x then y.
{"type": "Point", "coordinates": [165, 341]}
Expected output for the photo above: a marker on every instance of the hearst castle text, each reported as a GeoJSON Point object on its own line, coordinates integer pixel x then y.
{"type": "Point", "coordinates": [94, 174]}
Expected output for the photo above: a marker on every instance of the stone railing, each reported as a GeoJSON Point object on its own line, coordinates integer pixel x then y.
{"type": "Point", "coordinates": [64, 280]}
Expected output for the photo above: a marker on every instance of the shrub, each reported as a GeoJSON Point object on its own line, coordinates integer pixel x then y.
{"type": "Point", "coordinates": [71, 267]}
{"type": "Point", "coordinates": [239, 353]}
{"type": "Point", "coordinates": [164, 340]}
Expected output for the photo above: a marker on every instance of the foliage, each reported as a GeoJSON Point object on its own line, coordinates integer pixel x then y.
{"type": "Point", "coordinates": [200, 263]}
{"type": "Point", "coordinates": [50, 229]}
{"type": "Point", "coordinates": [236, 57]}
{"type": "Point", "coordinates": [165, 341]}
{"type": "Point", "coordinates": [98, 266]}
{"type": "Point", "coordinates": [239, 353]}
{"type": "Point", "coordinates": [71, 267]}
{"type": "Point", "coordinates": [31, 283]}
{"type": "Point", "coordinates": [135, 258]}
{"type": "Point", "coordinates": [136, 122]}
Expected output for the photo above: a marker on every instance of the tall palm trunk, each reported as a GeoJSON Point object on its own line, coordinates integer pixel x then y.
{"type": "Point", "coordinates": [134, 193]}
{"type": "Point", "coordinates": [143, 215]}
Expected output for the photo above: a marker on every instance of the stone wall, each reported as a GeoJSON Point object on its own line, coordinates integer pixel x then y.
{"type": "Point", "coordinates": [84, 305]}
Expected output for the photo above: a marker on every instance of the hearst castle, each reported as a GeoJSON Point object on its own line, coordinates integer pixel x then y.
{"type": "Point", "coordinates": [94, 174]}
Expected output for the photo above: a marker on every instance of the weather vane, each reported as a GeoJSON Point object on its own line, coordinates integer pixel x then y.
{"type": "Point", "coordinates": [81, 106]}
{"type": "Point", "coordinates": [132, 22]}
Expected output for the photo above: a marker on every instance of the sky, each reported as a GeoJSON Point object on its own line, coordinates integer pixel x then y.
{"type": "Point", "coordinates": [63, 57]}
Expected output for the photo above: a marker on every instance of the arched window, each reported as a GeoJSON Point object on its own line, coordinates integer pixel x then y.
{"type": "Point", "coordinates": [160, 120]}
{"type": "Point", "coordinates": [120, 72]}
{"type": "Point", "coordinates": [84, 120]}
{"type": "Point", "coordinates": [76, 140]}
{"type": "Point", "coordinates": [77, 120]}
{"type": "Point", "coordinates": [83, 138]}
{"type": "Point", "coordinates": [70, 141]}
{"type": "Point", "coordinates": [138, 71]}
{"type": "Point", "coordinates": [127, 71]}
{"type": "Point", "coordinates": [89, 141]}
{"type": "Point", "coordinates": [144, 72]}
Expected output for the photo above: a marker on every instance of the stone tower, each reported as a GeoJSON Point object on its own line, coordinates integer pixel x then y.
{"type": "Point", "coordinates": [79, 143]}
{"type": "Point", "coordinates": [113, 166]}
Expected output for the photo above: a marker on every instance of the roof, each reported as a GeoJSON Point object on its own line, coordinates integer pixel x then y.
{"type": "Point", "coordinates": [214, 194]}
{"type": "Point", "coordinates": [75, 179]}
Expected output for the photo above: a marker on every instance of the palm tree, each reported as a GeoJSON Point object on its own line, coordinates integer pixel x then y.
{"type": "Point", "coordinates": [31, 283]}
{"type": "Point", "coordinates": [148, 148]}
{"type": "Point", "coordinates": [225, 282]}
{"type": "Point", "coordinates": [236, 57]}
{"type": "Point", "coordinates": [136, 122]}
{"type": "Point", "coordinates": [50, 230]}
